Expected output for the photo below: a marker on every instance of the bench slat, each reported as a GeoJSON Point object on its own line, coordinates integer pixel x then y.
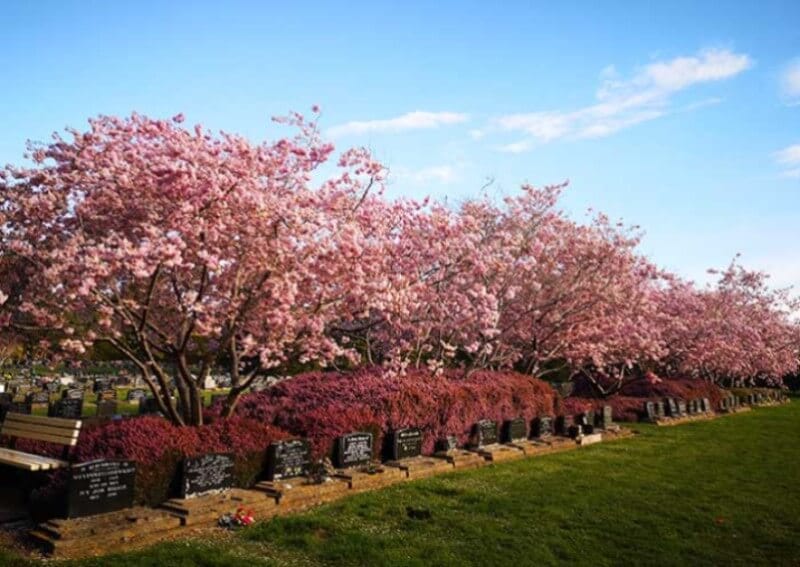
{"type": "Point", "coordinates": [13, 431]}
{"type": "Point", "coordinates": [57, 431]}
{"type": "Point", "coordinates": [29, 462]}
{"type": "Point", "coordinates": [40, 420]}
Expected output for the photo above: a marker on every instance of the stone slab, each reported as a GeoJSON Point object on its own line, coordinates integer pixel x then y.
{"type": "Point", "coordinates": [590, 439]}
{"type": "Point", "coordinates": [382, 476]}
{"type": "Point", "coordinates": [296, 494]}
{"type": "Point", "coordinates": [497, 453]}
{"type": "Point", "coordinates": [422, 467]}
{"type": "Point", "coordinates": [462, 459]}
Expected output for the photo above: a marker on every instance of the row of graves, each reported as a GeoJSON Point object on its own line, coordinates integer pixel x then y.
{"type": "Point", "coordinates": [99, 515]}
{"type": "Point", "coordinates": [672, 411]}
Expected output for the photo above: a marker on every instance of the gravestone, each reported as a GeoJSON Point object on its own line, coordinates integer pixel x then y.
{"type": "Point", "coordinates": [586, 422]}
{"type": "Point", "coordinates": [106, 408]}
{"type": "Point", "coordinates": [66, 408]}
{"type": "Point", "coordinates": [544, 426]}
{"type": "Point", "coordinates": [681, 408]}
{"type": "Point", "coordinates": [406, 443]}
{"type": "Point", "coordinates": [691, 407]}
{"type": "Point", "coordinates": [353, 450]}
{"type": "Point", "coordinates": [449, 443]}
{"type": "Point", "coordinates": [515, 430]}
{"type": "Point", "coordinates": [723, 404]}
{"type": "Point", "coordinates": [607, 417]}
{"type": "Point", "coordinates": [136, 395]}
{"type": "Point", "coordinates": [72, 394]}
{"type": "Point", "coordinates": [52, 387]}
{"type": "Point", "coordinates": [484, 433]}
{"type": "Point", "coordinates": [99, 487]}
{"type": "Point", "coordinates": [101, 384]}
{"type": "Point", "coordinates": [565, 424]}
{"type": "Point", "coordinates": [706, 404]}
{"type": "Point", "coordinates": [650, 411]}
{"type": "Point", "coordinates": [206, 474]}
{"type": "Point", "coordinates": [671, 407]}
{"type": "Point", "coordinates": [106, 395]}
{"type": "Point", "coordinates": [38, 398]}
{"type": "Point", "coordinates": [148, 406]}
{"type": "Point", "coordinates": [6, 398]}
{"type": "Point", "coordinates": [751, 399]}
{"type": "Point", "coordinates": [287, 459]}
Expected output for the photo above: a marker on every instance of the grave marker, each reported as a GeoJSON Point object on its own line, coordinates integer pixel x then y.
{"type": "Point", "coordinates": [485, 433]}
{"type": "Point", "coordinates": [515, 430]}
{"type": "Point", "coordinates": [353, 450]}
{"type": "Point", "coordinates": [287, 459]}
{"type": "Point", "coordinates": [406, 443]}
{"type": "Point", "coordinates": [66, 408]}
{"type": "Point", "coordinates": [206, 474]}
{"type": "Point", "coordinates": [99, 487]}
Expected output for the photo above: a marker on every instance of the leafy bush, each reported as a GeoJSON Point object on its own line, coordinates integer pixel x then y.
{"type": "Point", "coordinates": [158, 447]}
{"type": "Point", "coordinates": [322, 406]}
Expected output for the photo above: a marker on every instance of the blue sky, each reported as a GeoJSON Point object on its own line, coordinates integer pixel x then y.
{"type": "Point", "coordinates": [683, 117]}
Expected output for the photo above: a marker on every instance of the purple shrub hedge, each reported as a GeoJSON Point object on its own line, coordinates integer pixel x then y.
{"type": "Point", "coordinates": [322, 406]}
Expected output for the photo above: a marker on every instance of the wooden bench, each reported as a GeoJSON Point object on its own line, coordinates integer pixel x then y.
{"type": "Point", "coordinates": [50, 429]}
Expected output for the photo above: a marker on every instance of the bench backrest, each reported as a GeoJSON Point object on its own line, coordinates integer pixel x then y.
{"type": "Point", "coordinates": [50, 429]}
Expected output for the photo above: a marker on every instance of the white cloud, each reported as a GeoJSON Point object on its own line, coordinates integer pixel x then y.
{"type": "Point", "coordinates": [476, 134]}
{"type": "Point", "coordinates": [790, 82]}
{"type": "Point", "coordinates": [622, 103]}
{"type": "Point", "coordinates": [789, 157]}
{"type": "Point", "coordinates": [416, 120]}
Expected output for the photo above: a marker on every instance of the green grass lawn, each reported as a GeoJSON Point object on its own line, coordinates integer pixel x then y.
{"type": "Point", "coordinates": [722, 492]}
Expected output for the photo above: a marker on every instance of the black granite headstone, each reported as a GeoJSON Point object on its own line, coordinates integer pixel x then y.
{"type": "Point", "coordinates": [72, 394]}
{"type": "Point", "coordinates": [485, 433]}
{"type": "Point", "coordinates": [449, 443]}
{"type": "Point", "coordinates": [148, 406]}
{"type": "Point", "coordinates": [287, 459]}
{"type": "Point", "coordinates": [671, 406]}
{"type": "Point", "coordinates": [205, 474]}
{"type": "Point", "coordinates": [586, 421]}
{"type": "Point", "coordinates": [99, 487]}
{"type": "Point", "coordinates": [564, 424]}
{"type": "Point", "coordinates": [515, 430]}
{"type": "Point", "coordinates": [353, 450]}
{"type": "Point", "coordinates": [66, 408]}
{"type": "Point", "coordinates": [406, 443]}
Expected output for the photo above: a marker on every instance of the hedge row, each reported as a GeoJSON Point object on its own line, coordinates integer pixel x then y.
{"type": "Point", "coordinates": [323, 406]}
{"type": "Point", "coordinates": [629, 404]}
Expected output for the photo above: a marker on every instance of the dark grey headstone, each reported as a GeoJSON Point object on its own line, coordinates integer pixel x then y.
{"type": "Point", "coordinates": [544, 426]}
{"type": "Point", "coordinates": [100, 487]}
{"type": "Point", "coordinates": [671, 406]}
{"type": "Point", "coordinates": [449, 443]}
{"type": "Point", "coordinates": [38, 397]}
{"type": "Point", "coordinates": [485, 433]}
{"type": "Point", "coordinates": [72, 394]}
{"type": "Point", "coordinates": [564, 424]}
{"type": "Point", "coordinates": [650, 411]}
{"type": "Point", "coordinates": [288, 459]}
{"type": "Point", "coordinates": [106, 408]}
{"type": "Point", "coordinates": [67, 408]}
{"type": "Point", "coordinates": [206, 474]}
{"type": "Point", "coordinates": [406, 443]}
{"type": "Point", "coordinates": [353, 450]}
{"type": "Point", "coordinates": [515, 430]}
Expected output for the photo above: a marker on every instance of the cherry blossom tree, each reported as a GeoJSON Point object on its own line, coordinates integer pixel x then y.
{"type": "Point", "coordinates": [185, 250]}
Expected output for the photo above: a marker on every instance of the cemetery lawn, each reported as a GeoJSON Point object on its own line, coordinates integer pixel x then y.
{"type": "Point", "coordinates": [725, 491]}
